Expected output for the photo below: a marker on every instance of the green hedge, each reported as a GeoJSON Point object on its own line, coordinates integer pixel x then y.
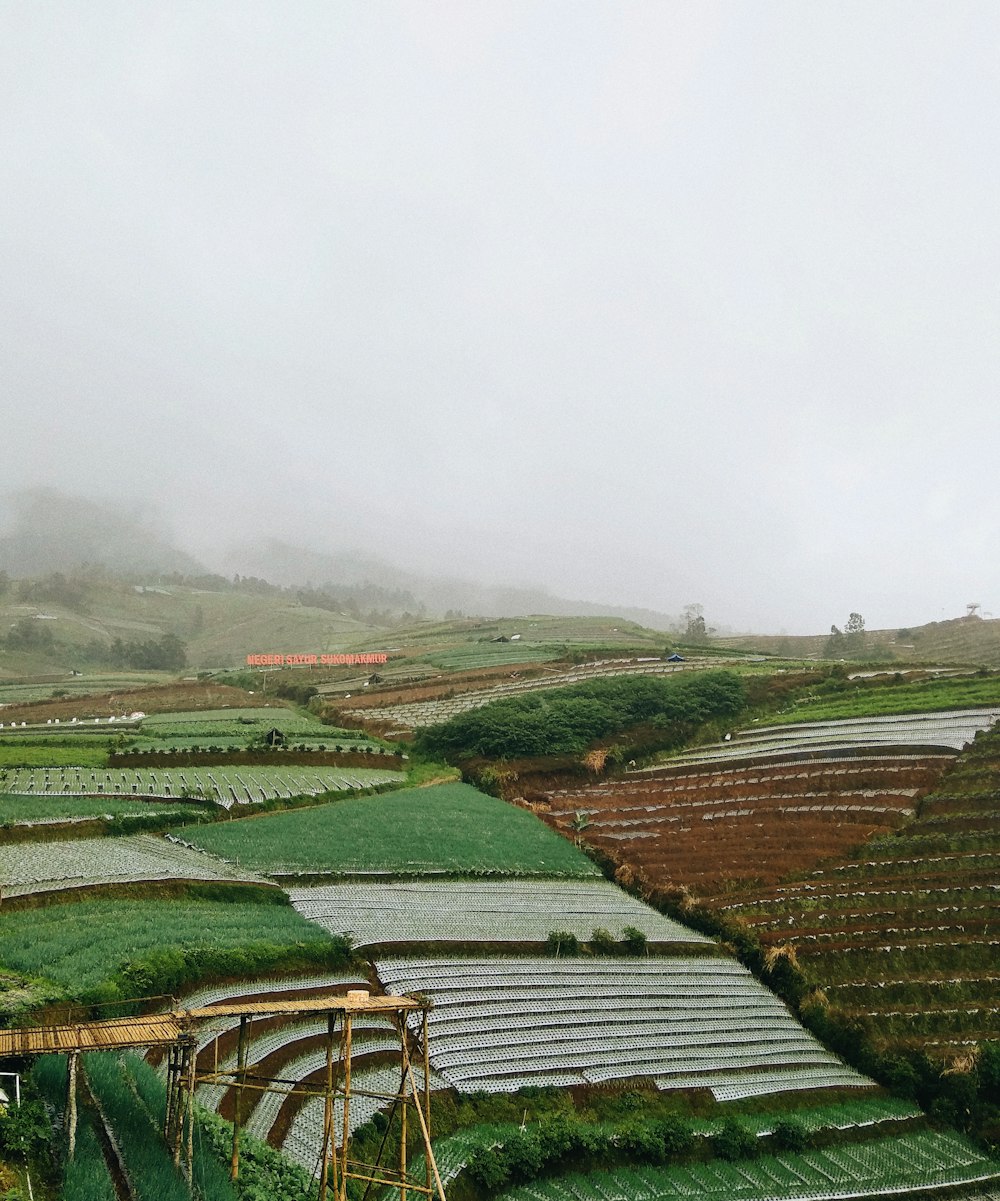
{"type": "Point", "coordinates": [568, 720]}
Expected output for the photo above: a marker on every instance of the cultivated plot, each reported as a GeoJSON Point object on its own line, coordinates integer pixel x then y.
{"type": "Point", "coordinates": [711, 828]}
{"type": "Point", "coordinates": [950, 730]}
{"type": "Point", "coordinates": [474, 911]}
{"type": "Point", "coordinates": [226, 786]}
{"type": "Point", "coordinates": [905, 935]}
{"type": "Point", "coordinates": [27, 868]}
{"type": "Point", "coordinates": [505, 1023]}
{"type": "Point", "coordinates": [896, 1166]}
{"type": "Point", "coordinates": [447, 829]}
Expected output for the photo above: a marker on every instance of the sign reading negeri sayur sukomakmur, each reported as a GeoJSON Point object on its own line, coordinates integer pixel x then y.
{"type": "Point", "coordinates": [365, 659]}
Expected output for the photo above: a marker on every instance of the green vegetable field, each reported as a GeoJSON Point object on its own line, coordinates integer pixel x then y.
{"type": "Point", "coordinates": [450, 828]}
{"type": "Point", "coordinates": [83, 944]}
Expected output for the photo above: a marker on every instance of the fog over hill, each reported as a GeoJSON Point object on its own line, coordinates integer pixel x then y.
{"type": "Point", "coordinates": [650, 303]}
{"type": "Point", "coordinates": [43, 530]}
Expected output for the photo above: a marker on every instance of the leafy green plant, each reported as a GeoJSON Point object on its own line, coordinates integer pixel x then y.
{"type": "Point", "coordinates": [562, 942]}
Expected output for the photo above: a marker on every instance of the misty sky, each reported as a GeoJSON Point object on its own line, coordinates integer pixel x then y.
{"type": "Point", "coordinates": [651, 303]}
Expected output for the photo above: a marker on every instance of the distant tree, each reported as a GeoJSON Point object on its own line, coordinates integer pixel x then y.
{"type": "Point", "coordinates": [834, 648]}
{"type": "Point", "coordinates": [562, 942]}
{"type": "Point", "coordinates": [849, 642]}
{"type": "Point", "coordinates": [634, 941]}
{"type": "Point", "coordinates": [789, 1135]}
{"type": "Point", "coordinates": [29, 634]}
{"type": "Point", "coordinates": [694, 623]}
{"type": "Point", "coordinates": [854, 634]}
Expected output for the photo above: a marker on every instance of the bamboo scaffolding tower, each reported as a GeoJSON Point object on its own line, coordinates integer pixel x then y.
{"type": "Point", "coordinates": [177, 1033]}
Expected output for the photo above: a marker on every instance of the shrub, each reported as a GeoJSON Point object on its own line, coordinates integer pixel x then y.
{"type": "Point", "coordinates": [634, 941]}
{"type": "Point", "coordinates": [603, 942]}
{"type": "Point", "coordinates": [676, 1138]}
{"type": "Point", "coordinates": [487, 1169]}
{"type": "Point", "coordinates": [734, 1141]}
{"type": "Point", "coordinates": [641, 1141]}
{"type": "Point", "coordinates": [562, 942]}
{"type": "Point", "coordinates": [789, 1135]}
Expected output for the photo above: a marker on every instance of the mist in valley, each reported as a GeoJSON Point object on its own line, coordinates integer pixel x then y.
{"type": "Point", "coordinates": [509, 307]}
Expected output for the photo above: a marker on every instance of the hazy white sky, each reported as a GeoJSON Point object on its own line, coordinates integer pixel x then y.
{"type": "Point", "coordinates": [650, 303]}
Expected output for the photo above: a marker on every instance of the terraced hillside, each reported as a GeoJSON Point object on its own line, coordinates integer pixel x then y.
{"type": "Point", "coordinates": [502, 1024]}
{"type": "Point", "coordinates": [414, 715]}
{"type": "Point", "coordinates": [31, 868]}
{"type": "Point", "coordinates": [905, 936]}
{"type": "Point", "coordinates": [290, 1050]}
{"type": "Point", "coordinates": [226, 786]}
{"type": "Point", "coordinates": [768, 801]}
{"type": "Point", "coordinates": [929, 1161]}
{"type": "Point", "coordinates": [448, 829]}
{"type": "Point", "coordinates": [969, 640]}
{"type": "Point", "coordinates": [554, 992]}
{"type": "Point", "coordinates": [491, 911]}
{"type": "Point", "coordinates": [950, 730]}
{"type": "Point", "coordinates": [711, 828]}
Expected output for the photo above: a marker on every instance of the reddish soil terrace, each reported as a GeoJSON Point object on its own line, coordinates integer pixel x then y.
{"type": "Point", "coordinates": [717, 831]}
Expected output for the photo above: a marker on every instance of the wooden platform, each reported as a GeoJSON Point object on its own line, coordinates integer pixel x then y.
{"type": "Point", "coordinates": [158, 1030]}
{"type": "Point", "coordinates": [165, 1029]}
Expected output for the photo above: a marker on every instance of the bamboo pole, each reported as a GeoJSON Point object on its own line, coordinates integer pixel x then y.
{"type": "Point", "coordinates": [424, 1128]}
{"type": "Point", "coordinates": [327, 1110]}
{"type": "Point", "coordinates": [241, 1069]}
{"type": "Point", "coordinates": [348, 1023]}
{"type": "Point", "coordinates": [402, 1135]}
{"type": "Point", "coordinates": [170, 1095]}
{"type": "Point", "coordinates": [71, 1104]}
{"type": "Point", "coordinates": [427, 1094]}
{"type": "Point", "coordinates": [177, 1121]}
{"type": "Point", "coordinates": [192, 1066]}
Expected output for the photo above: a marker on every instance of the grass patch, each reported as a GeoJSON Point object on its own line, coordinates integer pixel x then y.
{"type": "Point", "coordinates": [447, 828]}
{"type": "Point", "coordinates": [105, 950]}
{"type": "Point", "coordinates": [81, 752]}
{"type": "Point", "coordinates": [20, 810]}
{"type": "Point", "coordinates": [857, 698]}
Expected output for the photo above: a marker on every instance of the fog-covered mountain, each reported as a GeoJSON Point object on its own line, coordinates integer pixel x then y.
{"type": "Point", "coordinates": [44, 531]}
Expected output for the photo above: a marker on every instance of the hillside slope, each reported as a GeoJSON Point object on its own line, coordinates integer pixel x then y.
{"type": "Point", "coordinates": [963, 640]}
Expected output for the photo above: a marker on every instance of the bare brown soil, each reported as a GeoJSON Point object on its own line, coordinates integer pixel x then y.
{"type": "Point", "coordinates": [716, 833]}
{"type": "Point", "coordinates": [157, 698]}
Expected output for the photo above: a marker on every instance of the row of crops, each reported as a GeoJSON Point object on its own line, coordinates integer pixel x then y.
{"type": "Point", "coordinates": [954, 730]}
{"type": "Point", "coordinates": [414, 715]}
{"type": "Point", "coordinates": [906, 935]}
{"type": "Point", "coordinates": [228, 729]}
{"type": "Point", "coordinates": [118, 947]}
{"type": "Point", "coordinates": [859, 1116]}
{"type": "Point", "coordinates": [291, 1050]}
{"type": "Point", "coordinates": [226, 786]}
{"type": "Point", "coordinates": [27, 868]}
{"type": "Point", "coordinates": [223, 729]}
{"type": "Point", "coordinates": [48, 809]}
{"type": "Point", "coordinates": [891, 1166]}
{"type": "Point", "coordinates": [466, 911]}
{"type": "Point", "coordinates": [713, 828]}
{"type": "Point", "coordinates": [506, 1023]}
{"type": "Point", "coordinates": [446, 829]}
